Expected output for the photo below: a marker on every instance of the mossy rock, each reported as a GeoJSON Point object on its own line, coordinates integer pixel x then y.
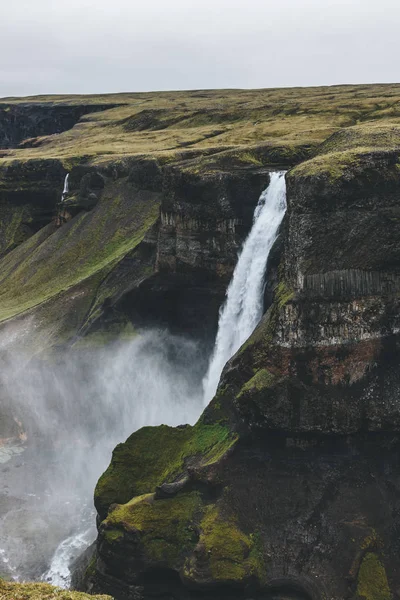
{"type": "Point", "coordinates": [154, 455]}
{"type": "Point", "coordinates": [166, 527]}
{"type": "Point", "coordinates": [232, 557]}
{"type": "Point", "coordinates": [372, 581]}
{"type": "Point", "coordinates": [186, 534]}
{"type": "Point", "coordinates": [261, 381]}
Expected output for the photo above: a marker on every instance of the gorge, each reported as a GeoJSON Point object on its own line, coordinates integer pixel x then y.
{"type": "Point", "coordinates": [277, 478]}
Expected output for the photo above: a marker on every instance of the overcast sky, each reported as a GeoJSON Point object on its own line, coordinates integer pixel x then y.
{"type": "Point", "coordinates": [94, 46]}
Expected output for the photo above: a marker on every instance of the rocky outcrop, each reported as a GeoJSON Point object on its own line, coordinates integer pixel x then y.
{"type": "Point", "coordinates": [297, 494]}
{"type": "Point", "coordinates": [331, 362]}
{"type": "Point", "coordinates": [20, 122]}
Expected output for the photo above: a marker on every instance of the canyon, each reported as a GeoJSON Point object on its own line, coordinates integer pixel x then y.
{"type": "Point", "coordinates": [286, 484]}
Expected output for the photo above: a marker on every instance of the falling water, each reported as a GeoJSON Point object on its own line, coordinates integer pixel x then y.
{"type": "Point", "coordinates": [66, 188]}
{"type": "Point", "coordinates": [244, 302]}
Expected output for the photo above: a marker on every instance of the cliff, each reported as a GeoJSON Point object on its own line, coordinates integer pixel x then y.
{"type": "Point", "coordinates": [296, 494]}
{"type": "Point", "coordinates": [184, 168]}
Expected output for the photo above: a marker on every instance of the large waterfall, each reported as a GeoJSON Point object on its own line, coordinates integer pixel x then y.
{"type": "Point", "coordinates": [244, 301]}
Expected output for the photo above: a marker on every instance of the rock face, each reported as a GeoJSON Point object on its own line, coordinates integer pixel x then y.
{"type": "Point", "coordinates": [134, 247]}
{"type": "Point", "coordinates": [23, 121]}
{"type": "Point", "coordinates": [29, 192]}
{"type": "Point", "coordinates": [203, 220]}
{"type": "Point", "coordinates": [288, 486]}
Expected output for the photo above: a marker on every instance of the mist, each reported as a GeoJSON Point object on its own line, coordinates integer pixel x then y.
{"type": "Point", "coordinates": [69, 413]}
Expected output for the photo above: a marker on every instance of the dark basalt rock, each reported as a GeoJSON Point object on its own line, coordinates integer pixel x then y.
{"type": "Point", "coordinates": [204, 218]}
{"type": "Point", "coordinates": [18, 122]}
{"type": "Point", "coordinates": [29, 192]}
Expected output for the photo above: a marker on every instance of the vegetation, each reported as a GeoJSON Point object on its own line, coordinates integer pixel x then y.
{"type": "Point", "coordinates": [165, 526]}
{"type": "Point", "coordinates": [233, 556]}
{"type": "Point", "coordinates": [170, 529]}
{"type": "Point", "coordinates": [41, 591]}
{"type": "Point", "coordinates": [325, 129]}
{"type": "Point", "coordinates": [52, 261]}
{"type": "Point", "coordinates": [212, 120]}
{"type": "Point", "coordinates": [262, 380]}
{"type": "Point", "coordinates": [349, 147]}
{"type": "Point", "coordinates": [154, 455]}
{"type": "Point", "coordinates": [372, 579]}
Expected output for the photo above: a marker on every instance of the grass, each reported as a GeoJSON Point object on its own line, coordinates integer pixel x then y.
{"type": "Point", "coordinates": [261, 381]}
{"type": "Point", "coordinates": [170, 529]}
{"type": "Point", "coordinates": [348, 148]}
{"type": "Point", "coordinates": [89, 244]}
{"type": "Point", "coordinates": [173, 122]}
{"type": "Point", "coordinates": [41, 591]}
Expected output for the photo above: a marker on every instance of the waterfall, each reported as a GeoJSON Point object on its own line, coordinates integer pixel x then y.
{"type": "Point", "coordinates": [59, 572]}
{"type": "Point", "coordinates": [243, 307]}
{"type": "Point", "coordinates": [66, 188]}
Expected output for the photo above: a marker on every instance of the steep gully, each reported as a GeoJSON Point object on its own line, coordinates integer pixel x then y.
{"type": "Point", "coordinates": [163, 371]}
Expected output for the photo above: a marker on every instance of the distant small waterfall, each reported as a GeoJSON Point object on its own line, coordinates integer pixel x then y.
{"type": "Point", "coordinates": [66, 188]}
{"type": "Point", "coordinates": [243, 307]}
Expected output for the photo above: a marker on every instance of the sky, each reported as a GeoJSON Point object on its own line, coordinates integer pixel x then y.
{"type": "Point", "coordinates": [99, 46]}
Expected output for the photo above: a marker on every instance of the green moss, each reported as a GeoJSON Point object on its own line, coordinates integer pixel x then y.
{"type": "Point", "coordinates": [332, 165]}
{"type": "Point", "coordinates": [347, 148]}
{"type": "Point", "coordinates": [261, 381]}
{"type": "Point", "coordinates": [91, 568]}
{"type": "Point", "coordinates": [371, 541]}
{"type": "Point", "coordinates": [49, 264]}
{"type": "Point", "coordinates": [372, 580]}
{"type": "Point", "coordinates": [165, 526]}
{"type": "Point", "coordinates": [283, 293]}
{"type": "Point", "coordinates": [249, 158]}
{"type": "Point", "coordinates": [232, 555]}
{"type": "Point", "coordinates": [154, 455]}
{"type": "Point", "coordinates": [14, 226]}
{"type": "Point", "coordinates": [113, 535]}
{"type": "Point", "coordinates": [41, 591]}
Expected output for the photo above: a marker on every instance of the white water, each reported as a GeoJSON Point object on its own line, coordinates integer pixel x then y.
{"type": "Point", "coordinates": [75, 412]}
{"type": "Point", "coordinates": [59, 573]}
{"type": "Point", "coordinates": [244, 300]}
{"type": "Point", "coordinates": [66, 188]}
